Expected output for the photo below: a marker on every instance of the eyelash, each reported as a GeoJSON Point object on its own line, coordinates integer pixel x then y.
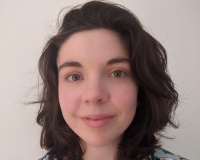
{"type": "Point", "coordinates": [124, 74]}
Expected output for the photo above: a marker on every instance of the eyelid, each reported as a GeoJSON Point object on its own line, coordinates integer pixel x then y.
{"type": "Point", "coordinates": [121, 69]}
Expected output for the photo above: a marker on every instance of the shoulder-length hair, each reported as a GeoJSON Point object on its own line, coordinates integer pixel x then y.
{"type": "Point", "coordinates": [157, 96]}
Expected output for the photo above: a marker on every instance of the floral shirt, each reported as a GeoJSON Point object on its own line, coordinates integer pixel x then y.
{"type": "Point", "coordinates": [160, 154]}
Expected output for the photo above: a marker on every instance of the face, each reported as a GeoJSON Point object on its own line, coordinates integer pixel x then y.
{"type": "Point", "coordinates": [97, 91]}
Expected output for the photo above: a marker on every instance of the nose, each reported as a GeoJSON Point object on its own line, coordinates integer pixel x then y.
{"type": "Point", "coordinates": [95, 92]}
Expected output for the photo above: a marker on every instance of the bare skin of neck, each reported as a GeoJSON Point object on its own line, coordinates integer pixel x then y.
{"type": "Point", "coordinates": [104, 152]}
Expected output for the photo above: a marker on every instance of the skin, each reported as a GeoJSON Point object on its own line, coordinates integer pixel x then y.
{"type": "Point", "coordinates": [96, 88]}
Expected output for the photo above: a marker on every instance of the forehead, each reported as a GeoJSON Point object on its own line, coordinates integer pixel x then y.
{"type": "Point", "coordinates": [92, 45]}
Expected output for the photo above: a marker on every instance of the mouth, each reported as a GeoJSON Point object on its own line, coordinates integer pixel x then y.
{"type": "Point", "coordinates": [97, 121]}
{"type": "Point", "coordinates": [97, 117]}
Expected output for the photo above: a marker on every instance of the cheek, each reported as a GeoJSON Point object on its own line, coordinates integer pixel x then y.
{"type": "Point", "coordinates": [125, 98]}
{"type": "Point", "coordinates": [69, 100]}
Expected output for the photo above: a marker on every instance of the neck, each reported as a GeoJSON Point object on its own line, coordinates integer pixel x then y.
{"type": "Point", "coordinates": [104, 152]}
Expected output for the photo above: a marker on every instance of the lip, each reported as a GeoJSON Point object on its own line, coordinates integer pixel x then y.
{"type": "Point", "coordinates": [96, 117]}
{"type": "Point", "coordinates": [97, 121]}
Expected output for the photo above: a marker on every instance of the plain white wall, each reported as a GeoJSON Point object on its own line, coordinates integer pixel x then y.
{"type": "Point", "coordinates": [24, 28]}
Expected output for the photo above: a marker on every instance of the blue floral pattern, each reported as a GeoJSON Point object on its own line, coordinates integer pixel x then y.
{"type": "Point", "coordinates": [162, 154]}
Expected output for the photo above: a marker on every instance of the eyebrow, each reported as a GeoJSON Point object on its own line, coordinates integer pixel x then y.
{"type": "Point", "coordinates": [110, 62]}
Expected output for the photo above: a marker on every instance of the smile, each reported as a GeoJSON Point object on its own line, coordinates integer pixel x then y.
{"type": "Point", "coordinates": [97, 121]}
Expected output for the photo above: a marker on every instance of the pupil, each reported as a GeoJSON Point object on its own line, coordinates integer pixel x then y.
{"type": "Point", "coordinates": [75, 77]}
{"type": "Point", "coordinates": [117, 73]}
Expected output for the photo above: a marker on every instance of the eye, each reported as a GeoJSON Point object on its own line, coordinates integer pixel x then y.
{"type": "Point", "coordinates": [118, 73]}
{"type": "Point", "coordinates": [73, 77]}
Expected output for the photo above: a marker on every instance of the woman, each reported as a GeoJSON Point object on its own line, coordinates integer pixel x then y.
{"type": "Point", "coordinates": [106, 91]}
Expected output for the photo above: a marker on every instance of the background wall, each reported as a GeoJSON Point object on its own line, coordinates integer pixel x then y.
{"type": "Point", "coordinates": [25, 25]}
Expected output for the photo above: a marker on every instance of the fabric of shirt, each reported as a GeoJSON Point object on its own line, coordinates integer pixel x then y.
{"type": "Point", "coordinates": [160, 154]}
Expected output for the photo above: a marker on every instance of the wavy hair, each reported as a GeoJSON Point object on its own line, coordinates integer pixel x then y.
{"type": "Point", "coordinates": [157, 96]}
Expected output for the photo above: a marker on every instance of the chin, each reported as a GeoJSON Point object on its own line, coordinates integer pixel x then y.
{"type": "Point", "coordinates": [100, 141]}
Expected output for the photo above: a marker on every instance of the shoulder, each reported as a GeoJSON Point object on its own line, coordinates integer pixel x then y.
{"type": "Point", "coordinates": [162, 154]}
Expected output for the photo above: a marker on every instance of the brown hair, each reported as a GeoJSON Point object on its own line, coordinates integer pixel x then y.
{"type": "Point", "coordinates": [157, 96]}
